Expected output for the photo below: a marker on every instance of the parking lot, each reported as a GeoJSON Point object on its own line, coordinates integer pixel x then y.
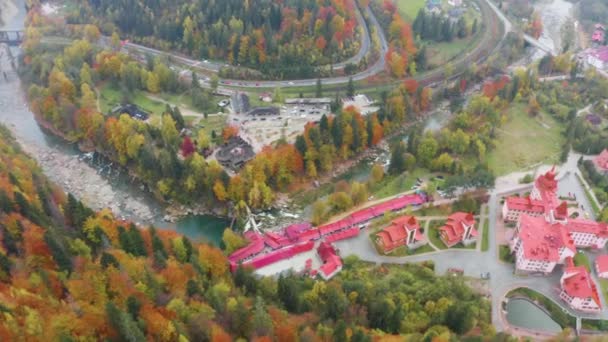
{"type": "Point", "coordinates": [266, 125]}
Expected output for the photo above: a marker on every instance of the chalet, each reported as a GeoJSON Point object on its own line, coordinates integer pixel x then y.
{"type": "Point", "coordinates": [264, 111]}
{"type": "Point", "coordinates": [601, 266]}
{"type": "Point", "coordinates": [404, 231]}
{"type": "Point", "coordinates": [578, 290]}
{"type": "Point", "coordinates": [459, 228]}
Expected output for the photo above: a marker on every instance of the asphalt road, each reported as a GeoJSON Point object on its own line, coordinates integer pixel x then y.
{"type": "Point", "coordinates": [182, 64]}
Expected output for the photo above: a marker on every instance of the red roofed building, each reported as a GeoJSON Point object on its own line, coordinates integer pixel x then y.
{"type": "Point", "coordinates": [539, 245]}
{"type": "Point", "coordinates": [404, 231]}
{"type": "Point", "coordinates": [515, 206]}
{"type": "Point", "coordinates": [542, 241]}
{"type": "Point", "coordinates": [332, 264]}
{"type": "Point", "coordinates": [460, 228]}
{"type": "Point", "coordinates": [579, 290]}
{"type": "Point", "coordinates": [601, 266]}
{"type": "Point", "coordinates": [601, 162]}
{"type": "Point", "coordinates": [542, 200]}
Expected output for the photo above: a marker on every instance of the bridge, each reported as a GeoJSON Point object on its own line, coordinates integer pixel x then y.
{"type": "Point", "coordinates": [509, 27]}
{"type": "Point", "coordinates": [12, 38]}
{"type": "Point", "coordinates": [537, 44]}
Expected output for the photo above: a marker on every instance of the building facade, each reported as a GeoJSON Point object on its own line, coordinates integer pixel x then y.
{"type": "Point", "coordinates": [579, 290]}
{"type": "Point", "coordinates": [459, 228]}
{"type": "Point", "coordinates": [404, 231]}
{"type": "Point", "coordinates": [545, 236]}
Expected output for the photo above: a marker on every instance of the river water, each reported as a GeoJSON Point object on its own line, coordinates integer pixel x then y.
{"type": "Point", "coordinates": [92, 179]}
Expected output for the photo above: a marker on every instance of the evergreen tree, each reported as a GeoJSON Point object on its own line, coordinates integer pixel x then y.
{"type": "Point", "coordinates": [319, 89]}
{"type": "Point", "coordinates": [397, 162]}
{"type": "Point", "coordinates": [350, 88]}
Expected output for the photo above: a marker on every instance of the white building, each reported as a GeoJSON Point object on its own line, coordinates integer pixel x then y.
{"type": "Point", "coordinates": [579, 291]}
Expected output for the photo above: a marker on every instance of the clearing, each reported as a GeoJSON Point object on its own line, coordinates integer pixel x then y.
{"type": "Point", "coordinates": [409, 8]}
{"type": "Point", "coordinates": [524, 141]}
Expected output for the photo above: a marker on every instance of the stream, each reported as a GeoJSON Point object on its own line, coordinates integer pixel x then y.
{"type": "Point", "coordinates": [91, 178]}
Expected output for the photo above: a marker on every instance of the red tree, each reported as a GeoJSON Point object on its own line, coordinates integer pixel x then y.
{"type": "Point", "coordinates": [187, 147]}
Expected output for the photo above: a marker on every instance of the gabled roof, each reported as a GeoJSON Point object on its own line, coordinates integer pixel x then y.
{"type": "Point", "coordinates": [454, 228]}
{"type": "Point", "coordinates": [577, 283]}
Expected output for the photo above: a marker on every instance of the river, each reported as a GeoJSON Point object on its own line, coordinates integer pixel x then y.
{"type": "Point", "coordinates": [90, 178]}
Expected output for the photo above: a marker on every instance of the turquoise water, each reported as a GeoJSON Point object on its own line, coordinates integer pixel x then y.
{"type": "Point", "coordinates": [522, 313]}
{"type": "Point", "coordinates": [203, 228]}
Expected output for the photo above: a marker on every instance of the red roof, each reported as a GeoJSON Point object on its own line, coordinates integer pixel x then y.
{"type": "Point", "coordinates": [253, 248]}
{"type": "Point", "coordinates": [601, 262]}
{"type": "Point", "coordinates": [331, 261]}
{"type": "Point", "coordinates": [542, 240]}
{"type": "Point", "coordinates": [396, 234]}
{"type": "Point", "coordinates": [362, 215]}
{"type": "Point", "coordinates": [561, 212]}
{"type": "Point", "coordinates": [278, 255]}
{"type": "Point", "coordinates": [454, 229]}
{"type": "Point", "coordinates": [343, 235]}
{"type": "Point", "coordinates": [601, 161]}
{"type": "Point", "coordinates": [577, 283]}
{"type": "Point", "coordinates": [525, 204]}
{"type": "Point", "coordinates": [587, 226]}
{"type": "Point", "coordinates": [335, 226]}
{"type": "Point", "coordinates": [293, 231]}
{"type": "Point", "coordinates": [547, 187]}
{"type": "Point", "coordinates": [312, 234]}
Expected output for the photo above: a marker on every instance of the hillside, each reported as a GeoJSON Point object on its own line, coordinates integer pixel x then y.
{"type": "Point", "coordinates": [68, 273]}
{"type": "Point", "coordinates": [285, 37]}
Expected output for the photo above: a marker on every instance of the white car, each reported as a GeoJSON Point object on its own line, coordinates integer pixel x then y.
{"type": "Point", "coordinates": [291, 83]}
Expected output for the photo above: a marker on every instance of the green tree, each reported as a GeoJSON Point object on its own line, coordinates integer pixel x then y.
{"type": "Point", "coordinates": [427, 150]}
{"type": "Point", "coordinates": [319, 88]}
{"type": "Point", "coordinates": [350, 88]}
{"type": "Point", "coordinates": [397, 162]}
{"type": "Point", "coordinates": [261, 321]}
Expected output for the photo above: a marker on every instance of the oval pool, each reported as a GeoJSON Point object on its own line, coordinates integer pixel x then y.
{"type": "Point", "coordinates": [524, 314]}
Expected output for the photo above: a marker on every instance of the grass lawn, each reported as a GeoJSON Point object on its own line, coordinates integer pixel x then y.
{"type": "Point", "coordinates": [111, 96]}
{"type": "Point", "coordinates": [409, 8]}
{"type": "Point", "coordinates": [604, 286]}
{"type": "Point", "coordinates": [524, 142]}
{"type": "Point", "coordinates": [441, 53]}
{"type": "Point", "coordinates": [580, 259]}
{"type": "Point", "coordinates": [211, 123]}
{"type": "Point", "coordinates": [393, 185]}
{"type": "Point", "coordinates": [434, 234]}
{"type": "Point", "coordinates": [485, 241]}
{"type": "Point", "coordinates": [505, 254]}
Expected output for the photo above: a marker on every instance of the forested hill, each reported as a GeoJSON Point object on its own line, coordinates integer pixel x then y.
{"type": "Point", "coordinates": [68, 273]}
{"type": "Point", "coordinates": [257, 33]}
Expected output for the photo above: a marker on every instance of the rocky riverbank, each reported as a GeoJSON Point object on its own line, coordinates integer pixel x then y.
{"type": "Point", "coordinates": [62, 166]}
{"type": "Point", "coordinates": [77, 177]}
